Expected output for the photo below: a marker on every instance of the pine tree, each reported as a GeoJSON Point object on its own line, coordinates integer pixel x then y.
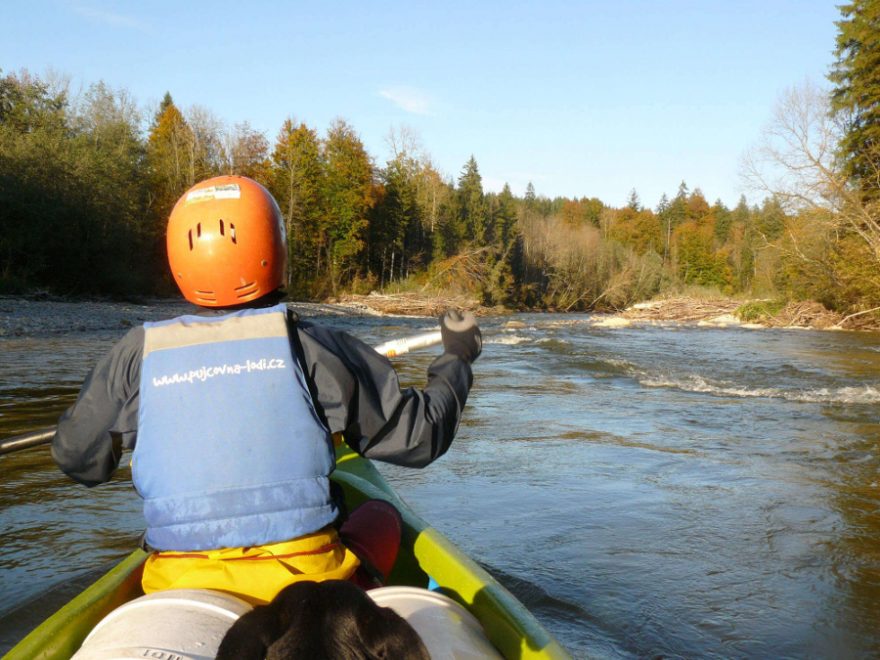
{"type": "Point", "coordinates": [742, 249]}
{"type": "Point", "coordinates": [633, 202]}
{"type": "Point", "coordinates": [770, 220]}
{"type": "Point", "coordinates": [396, 228]}
{"type": "Point", "coordinates": [350, 196]}
{"type": "Point", "coordinates": [856, 95]}
{"type": "Point", "coordinates": [472, 216]}
{"type": "Point", "coordinates": [530, 196]}
{"type": "Point", "coordinates": [504, 218]}
{"type": "Point", "coordinates": [723, 219]}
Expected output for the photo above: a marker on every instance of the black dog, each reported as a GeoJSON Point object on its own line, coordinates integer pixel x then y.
{"type": "Point", "coordinates": [332, 620]}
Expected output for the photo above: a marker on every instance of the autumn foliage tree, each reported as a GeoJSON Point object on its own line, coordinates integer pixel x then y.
{"type": "Point", "coordinates": [247, 153]}
{"type": "Point", "coordinates": [296, 179]}
{"type": "Point", "coordinates": [168, 149]}
{"type": "Point", "coordinates": [84, 185]}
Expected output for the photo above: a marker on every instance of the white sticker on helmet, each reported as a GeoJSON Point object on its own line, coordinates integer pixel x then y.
{"type": "Point", "coordinates": [228, 191]}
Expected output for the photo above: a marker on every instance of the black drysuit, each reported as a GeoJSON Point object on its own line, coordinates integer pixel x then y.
{"type": "Point", "coordinates": [354, 389]}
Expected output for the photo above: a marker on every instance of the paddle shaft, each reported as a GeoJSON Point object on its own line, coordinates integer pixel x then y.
{"type": "Point", "coordinates": [390, 349]}
{"type": "Point", "coordinates": [28, 440]}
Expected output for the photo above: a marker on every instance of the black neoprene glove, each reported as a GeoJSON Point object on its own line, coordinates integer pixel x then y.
{"type": "Point", "coordinates": [461, 335]}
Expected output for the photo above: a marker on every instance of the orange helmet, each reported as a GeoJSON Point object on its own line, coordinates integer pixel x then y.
{"type": "Point", "coordinates": [226, 242]}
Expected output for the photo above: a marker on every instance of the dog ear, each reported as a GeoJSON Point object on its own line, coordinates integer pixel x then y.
{"type": "Point", "coordinates": [335, 620]}
{"type": "Point", "coordinates": [387, 636]}
{"type": "Point", "coordinates": [293, 602]}
{"type": "Point", "coordinates": [250, 636]}
{"type": "Point", "coordinates": [306, 620]}
{"type": "Point", "coordinates": [258, 630]}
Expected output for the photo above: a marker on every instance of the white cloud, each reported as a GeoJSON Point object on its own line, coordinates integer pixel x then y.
{"type": "Point", "coordinates": [109, 18]}
{"type": "Point", "coordinates": [409, 99]}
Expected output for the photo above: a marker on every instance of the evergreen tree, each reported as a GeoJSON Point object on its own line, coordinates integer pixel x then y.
{"type": "Point", "coordinates": [741, 212]}
{"type": "Point", "coordinates": [350, 196]}
{"type": "Point", "coordinates": [530, 196]}
{"type": "Point", "coordinates": [674, 216]}
{"type": "Point", "coordinates": [169, 165]}
{"type": "Point", "coordinates": [396, 231]}
{"type": "Point", "coordinates": [856, 95]}
{"type": "Point", "coordinates": [723, 219]}
{"type": "Point", "coordinates": [472, 216]}
{"type": "Point", "coordinates": [770, 220]}
{"type": "Point", "coordinates": [740, 245]}
{"type": "Point", "coordinates": [504, 218]}
{"type": "Point", "coordinates": [110, 154]}
{"type": "Point", "coordinates": [696, 259]}
{"type": "Point", "coordinates": [297, 182]}
{"type": "Point", "coordinates": [633, 202]}
{"type": "Point", "coordinates": [505, 254]}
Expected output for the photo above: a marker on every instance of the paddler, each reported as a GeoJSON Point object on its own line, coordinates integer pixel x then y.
{"type": "Point", "coordinates": [230, 413]}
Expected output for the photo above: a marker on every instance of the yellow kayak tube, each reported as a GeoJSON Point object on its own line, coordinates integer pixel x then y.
{"type": "Point", "coordinates": [426, 558]}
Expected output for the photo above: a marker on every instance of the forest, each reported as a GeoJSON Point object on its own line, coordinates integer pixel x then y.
{"type": "Point", "coordinates": [87, 181]}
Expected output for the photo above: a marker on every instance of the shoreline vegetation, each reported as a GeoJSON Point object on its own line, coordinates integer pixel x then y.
{"type": "Point", "coordinates": [88, 179]}
{"type": "Point", "coordinates": [31, 313]}
{"type": "Point", "coordinates": [708, 312]}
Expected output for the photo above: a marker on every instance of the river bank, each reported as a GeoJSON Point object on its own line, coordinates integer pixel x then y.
{"type": "Point", "coordinates": [413, 304]}
{"type": "Point", "coordinates": [724, 313]}
{"type": "Point", "coordinates": [711, 312]}
{"type": "Point", "coordinates": [38, 314]}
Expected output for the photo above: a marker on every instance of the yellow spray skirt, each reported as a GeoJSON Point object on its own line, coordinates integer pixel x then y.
{"type": "Point", "coordinates": [255, 574]}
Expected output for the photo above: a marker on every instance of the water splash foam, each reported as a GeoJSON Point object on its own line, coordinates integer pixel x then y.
{"type": "Point", "coordinates": [865, 394]}
{"type": "Point", "coordinates": [508, 340]}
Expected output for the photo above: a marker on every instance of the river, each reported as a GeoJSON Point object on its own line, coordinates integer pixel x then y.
{"type": "Point", "coordinates": [656, 491]}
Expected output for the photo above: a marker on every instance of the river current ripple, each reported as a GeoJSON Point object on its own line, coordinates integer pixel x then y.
{"type": "Point", "coordinates": [659, 491]}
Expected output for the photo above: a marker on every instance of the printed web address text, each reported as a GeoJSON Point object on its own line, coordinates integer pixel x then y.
{"type": "Point", "coordinates": [205, 373]}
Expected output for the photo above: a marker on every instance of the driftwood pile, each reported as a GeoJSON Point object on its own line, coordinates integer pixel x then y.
{"type": "Point", "coordinates": [410, 304]}
{"type": "Point", "coordinates": [803, 315]}
{"type": "Point", "coordinates": [793, 315]}
{"type": "Point", "coordinates": [718, 311]}
{"type": "Point", "coordinates": [680, 309]}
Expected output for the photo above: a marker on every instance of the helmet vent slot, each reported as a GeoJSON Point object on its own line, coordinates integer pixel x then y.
{"type": "Point", "coordinates": [206, 296]}
{"type": "Point", "coordinates": [190, 234]}
{"type": "Point", "coordinates": [247, 289]}
{"type": "Point", "coordinates": [232, 232]}
{"type": "Point", "coordinates": [199, 230]}
{"type": "Point", "coordinates": [222, 229]}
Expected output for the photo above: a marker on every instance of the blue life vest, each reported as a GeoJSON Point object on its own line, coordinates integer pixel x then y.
{"type": "Point", "coordinates": [230, 451]}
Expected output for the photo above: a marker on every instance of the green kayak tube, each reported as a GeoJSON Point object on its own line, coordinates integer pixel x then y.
{"type": "Point", "coordinates": [425, 555]}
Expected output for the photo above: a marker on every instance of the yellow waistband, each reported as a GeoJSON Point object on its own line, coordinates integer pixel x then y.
{"type": "Point", "coordinates": [256, 573]}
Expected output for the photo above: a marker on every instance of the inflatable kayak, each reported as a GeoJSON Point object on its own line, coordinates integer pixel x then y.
{"type": "Point", "coordinates": [426, 558]}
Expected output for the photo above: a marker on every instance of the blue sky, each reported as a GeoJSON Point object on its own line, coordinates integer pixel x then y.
{"type": "Point", "coordinates": [581, 98]}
